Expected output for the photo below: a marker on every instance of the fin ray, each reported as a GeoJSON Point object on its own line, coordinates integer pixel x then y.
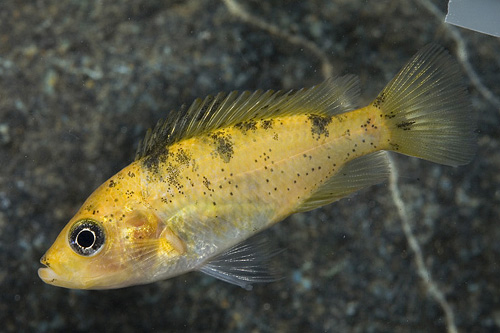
{"type": "Point", "coordinates": [428, 111]}
{"type": "Point", "coordinates": [359, 173]}
{"type": "Point", "coordinates": [333, 96]}
{"type": "Point", "coordinates": [245, 263]}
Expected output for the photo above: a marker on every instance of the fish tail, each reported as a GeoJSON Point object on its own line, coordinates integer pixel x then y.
{"type": "Point", "coordinates": [427, 110]}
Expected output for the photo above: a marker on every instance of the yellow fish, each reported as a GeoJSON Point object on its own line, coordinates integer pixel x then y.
{"type": "Point", "coordinates": [208, 178]}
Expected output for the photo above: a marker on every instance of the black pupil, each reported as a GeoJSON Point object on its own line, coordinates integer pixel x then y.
{"type": "Point", "coordinates": [85, 238]}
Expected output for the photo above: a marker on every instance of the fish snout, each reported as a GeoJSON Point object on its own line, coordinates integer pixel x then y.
{"type": "Point", "coordinates": [48, 275]}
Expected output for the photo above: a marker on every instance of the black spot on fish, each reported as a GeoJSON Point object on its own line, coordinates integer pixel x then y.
{"type": "Point", "coordinates": [182, 157]}
{"type": "Point", "coordinates": [223, 145]}
{"type": "Point", "coordinates": [379, 100]}
{"type": "Point", "coordinates": [266, 124]}
{"type": "Point", "coordinates": [172, 175]}
{"type": "Point", "coordinates": [394, 146]}
{"type": "Point", "coordinates": [319, 125]}
{"type": "Point", "coordinates": [405, 125]}
{"type": "Point", "coordinates": [112, 183]}
{"type": "Point", "coordinates": [167, 167]}
{"type": "Point", "coordinates": [245, 126]}
{"type": "Point", "coordinates": [152, 161]}
{"type": "Point", "coordinates": [206, 182]}
{"type": "Point", "coordinates": [340, 118]}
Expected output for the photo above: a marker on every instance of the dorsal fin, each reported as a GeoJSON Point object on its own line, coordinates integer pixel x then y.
{"type": "Point", "coordinates": [333, 96]}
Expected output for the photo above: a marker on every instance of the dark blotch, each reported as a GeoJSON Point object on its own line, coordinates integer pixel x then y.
{"type": "Point", "coordinates": [405, 125]}
{"type": "Point", "coordinates": [206, 182]}
{"type": "Point", "coordinates": [246, 126]}
{"type": "Point", "coordinates": [394, 146]}
{"type": "Point", "coordinates": [379, 100]}
{"type": "Point", "coordinates": [182, 157]}
{"type": "Point", "coordinates": [319, 125]}
{"type": "Point", "coordinates": [152, 161]}
{"type": "Point", "coordinates": [266, 124]}
{"type": "Point", "coordinates": [172, 175]}
{"type": "Point", "coordinates": [223, 145]}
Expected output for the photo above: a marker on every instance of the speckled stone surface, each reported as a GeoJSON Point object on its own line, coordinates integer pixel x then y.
{"type": "Point", "coordinates": [81, 81]}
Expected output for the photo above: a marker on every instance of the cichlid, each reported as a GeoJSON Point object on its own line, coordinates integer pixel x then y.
{"type": "Point", "coordinates": [208, 178]}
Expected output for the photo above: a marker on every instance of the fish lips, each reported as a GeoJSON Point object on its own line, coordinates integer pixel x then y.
{"type": "Point", "coordinates": [48, 275]}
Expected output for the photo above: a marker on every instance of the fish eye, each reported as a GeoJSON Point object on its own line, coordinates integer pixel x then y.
{"type": "Point", "coordinates": [86, 237]}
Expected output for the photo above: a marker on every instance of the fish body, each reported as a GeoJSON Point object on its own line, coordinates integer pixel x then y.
{"type": "Point", "coordinates": [208, 178]}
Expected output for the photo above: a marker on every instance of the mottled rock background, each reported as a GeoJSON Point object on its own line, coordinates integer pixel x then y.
{"type": "Point", "coordinates": [81, 81]}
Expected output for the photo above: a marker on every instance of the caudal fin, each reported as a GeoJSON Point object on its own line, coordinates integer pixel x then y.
{"type": "Point", "coordinates": [428, 111]}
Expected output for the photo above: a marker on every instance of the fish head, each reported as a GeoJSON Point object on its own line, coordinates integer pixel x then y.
{"type": "Point", "coordinates": [113, 241]}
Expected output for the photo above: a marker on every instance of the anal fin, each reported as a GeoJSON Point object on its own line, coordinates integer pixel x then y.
{"type": "Point", "coordinates": [362, 172]}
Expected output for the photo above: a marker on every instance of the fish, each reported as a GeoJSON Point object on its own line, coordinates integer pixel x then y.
{"type": "Point", "coordinates": [210, 177]}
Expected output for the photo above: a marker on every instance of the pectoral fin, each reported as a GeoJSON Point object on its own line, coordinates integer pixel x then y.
{"type": "Point", "coordinates": [173, 240]}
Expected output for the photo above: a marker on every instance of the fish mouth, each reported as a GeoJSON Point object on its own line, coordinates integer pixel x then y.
{"type": "Point", "coordinates": [48, 275]}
